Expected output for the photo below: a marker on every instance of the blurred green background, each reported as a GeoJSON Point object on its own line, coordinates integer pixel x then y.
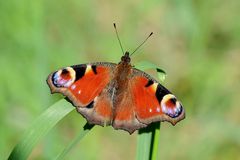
{"type": "Point", "coordinates": [195, 42]}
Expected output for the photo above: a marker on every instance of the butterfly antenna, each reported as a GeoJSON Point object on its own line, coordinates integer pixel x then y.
{"type": "Point", "coordinates": [118, 37]}
{"type": "Point", "coordinates": [142, 43]}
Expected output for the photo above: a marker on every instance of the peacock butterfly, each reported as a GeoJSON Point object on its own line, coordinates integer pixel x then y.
{"type": "Point", "coordinates": [116, 94]}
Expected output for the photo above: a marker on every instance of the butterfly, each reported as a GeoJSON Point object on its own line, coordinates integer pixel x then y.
{"type": "Point", "coordinates": [116, 94]}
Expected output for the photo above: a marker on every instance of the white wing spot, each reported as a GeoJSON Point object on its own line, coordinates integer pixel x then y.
{"type": "Point", "coordinates": [158, 109]}
{"type": "Point", "coordinates": [150, 110]}
{"type": "Point", "coordinates": [79, 92]}
{"type": "Point", "coordinates": [164, 108]}
{"type": "Point", "coordinates": [73, 87]}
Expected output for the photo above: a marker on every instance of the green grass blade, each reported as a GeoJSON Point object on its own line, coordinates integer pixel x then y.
{"type": "Point", "coordinates": [143, 145]}
{"type": "Point", "coordinates": [40, 127]}
{"type": "Point", "coordinates": [74, 142]}
{"type": "Point", "coordinates": [148, 142]}
{"type": "Point", "coordinates": [155, 141]}
{"type": "Point", "coordinates": [145, 65]}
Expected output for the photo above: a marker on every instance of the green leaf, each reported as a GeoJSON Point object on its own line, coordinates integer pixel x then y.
{"type": "Point", "coordinates": [40, 127]}
{"type": "Point", "coordinates": [145, 65]}
{"type": "Point", "coordinates": [161, 74]}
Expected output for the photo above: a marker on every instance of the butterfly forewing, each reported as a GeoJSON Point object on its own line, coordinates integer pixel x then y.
{"type": "Point", "coordinates": [153, 102]}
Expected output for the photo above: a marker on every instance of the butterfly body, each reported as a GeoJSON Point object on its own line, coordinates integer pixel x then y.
{"type": "Point", "coordinates": [116, 94]}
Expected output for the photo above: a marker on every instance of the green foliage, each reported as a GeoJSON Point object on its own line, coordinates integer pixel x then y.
{"type": "Point", "coordinates": [40, 128]}
{"type": "Point", "coordinates": [196, 42]}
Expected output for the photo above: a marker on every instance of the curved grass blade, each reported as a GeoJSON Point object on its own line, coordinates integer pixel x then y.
{"type": "Point", "coordinates": [145, 65]}
{"type": "Point", "coordinates": [40, 127]}
{"type": "Point", "coordinates": [87, 127]}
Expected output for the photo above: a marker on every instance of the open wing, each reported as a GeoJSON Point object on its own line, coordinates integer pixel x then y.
{"type": "Point", "coordinates": [146, 101]}
{"type": "Point", "coordinates": [85, 86]}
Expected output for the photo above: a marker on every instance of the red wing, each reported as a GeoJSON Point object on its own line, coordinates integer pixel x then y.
{"type": "Point", "coordinates": [86, 87]}
{"type": "Point", "coordinates": [90, 85]}
{"type": "Point", "coordinates": [153, 102]}
{"type": "Point", "coordinates": [144, 101]}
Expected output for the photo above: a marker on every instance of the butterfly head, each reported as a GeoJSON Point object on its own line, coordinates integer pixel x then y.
{"type": "Point", "coordinates": [126, 58]}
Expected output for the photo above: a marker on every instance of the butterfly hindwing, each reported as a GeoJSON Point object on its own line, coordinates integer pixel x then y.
{"type": "Point", "coordinates": [100, 109]}
{"type": "Point", "coordinates": [124, 112]}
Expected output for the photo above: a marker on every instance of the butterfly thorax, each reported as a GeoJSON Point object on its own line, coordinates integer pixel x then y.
{"type": "Point", "coordinates": [122, 74]}
{"type": "Point", "coordinates": [123, 70]}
